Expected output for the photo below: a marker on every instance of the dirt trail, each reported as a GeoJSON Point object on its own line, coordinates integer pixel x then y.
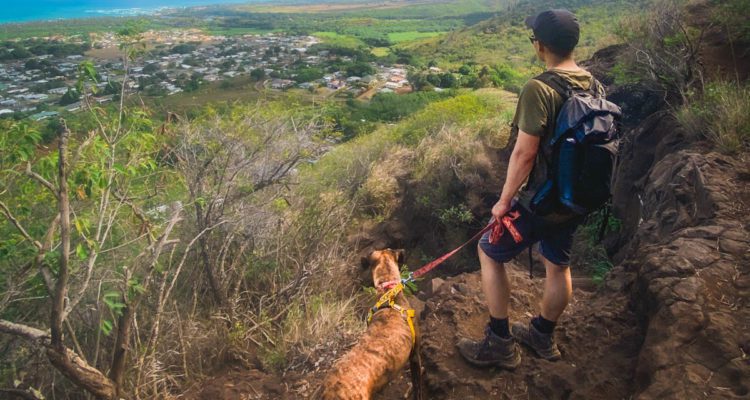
{"type": "Point", "coordinates": [599, 339]}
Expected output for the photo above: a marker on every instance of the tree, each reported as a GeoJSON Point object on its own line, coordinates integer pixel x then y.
{"type": "Point", "coordinates": [308, 74]}
{"type": "Point", "coordinates": [151, 68]}
{"type": "Point", "coordinates": [112, 87]}
{"type": "Point", "coordinates": [70, 97]}
{"type": "Point", "coordinates": [258, 74]}
{"type": "Point", "coordinates": [193, 83]}
{"type": "Point", "coordinates": [74, 183]}
{"type": "Point", "coordinates": [77, 217]}
{"type": "Point", "coordinates": [447, 80]}
{"type": "Point", "coordinates": [184, 48]}
{"type": "Point", "coordinates": [360, 69]}
{"type": "Point", "coordinates": [226, 168]}
{"type": "Point", "coordinates": [418, 79]}
{"type": "Point", "coordinates": [664, 52]}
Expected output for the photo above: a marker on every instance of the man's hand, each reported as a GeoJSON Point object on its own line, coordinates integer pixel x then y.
{"type": "Point", "coordinates": [500, 209]}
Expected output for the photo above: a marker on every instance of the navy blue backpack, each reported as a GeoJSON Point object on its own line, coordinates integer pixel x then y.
{"type": "Point", "coordinates": [581, 154]}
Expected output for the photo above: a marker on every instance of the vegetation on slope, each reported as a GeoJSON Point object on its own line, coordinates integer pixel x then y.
{"type": "Point", "coordinates": [665, 52]}
{"type": "Point", "coordinates": [503, 40]}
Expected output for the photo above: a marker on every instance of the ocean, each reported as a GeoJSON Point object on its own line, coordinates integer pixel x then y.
{"type": "Point", "coordinates": [24, 11]}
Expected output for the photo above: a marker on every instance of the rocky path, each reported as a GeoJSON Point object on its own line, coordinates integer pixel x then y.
{"type": "Point", "coordinates": [599, 339]}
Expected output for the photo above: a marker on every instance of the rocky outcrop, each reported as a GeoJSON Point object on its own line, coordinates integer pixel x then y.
{"type": "Point", "coordinates": [688, 258]}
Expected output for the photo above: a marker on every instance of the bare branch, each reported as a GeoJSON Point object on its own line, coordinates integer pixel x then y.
{"type": "Point", "coordinates": [24, 394]}
{"type": "Point", "coordinates": [79, 150]}
{"type": "Point", "coordinates": [145, 222]}
{"type": "Point", "coordinates": [81, 373]}
{"type": "Point", "coordinates": [65, 360]}
{"type": "Point", "coordinates": [24, 331]}
{"type": "Point", "coordinates": [18, 226]}
{"type": "Point", "coordinates": [184, 257]}
{"type": "Point", "coordinates": [61, 286]}
{"type": "Point", "coordinates": [40, 179]}
{"type": "Point", "coordinates": [44, 270]}
{"type": "Point", "coordinates": [122, 341]}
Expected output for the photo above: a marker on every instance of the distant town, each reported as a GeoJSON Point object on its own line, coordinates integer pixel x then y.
{"type": "Point", "coordinates": [38, 78]}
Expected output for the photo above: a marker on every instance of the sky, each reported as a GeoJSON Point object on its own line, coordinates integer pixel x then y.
{"type": "Point", "coordinates": [30, 10]}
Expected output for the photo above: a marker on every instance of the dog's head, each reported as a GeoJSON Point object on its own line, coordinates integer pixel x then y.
{"type": "Point", "coordinates": [384, 265]}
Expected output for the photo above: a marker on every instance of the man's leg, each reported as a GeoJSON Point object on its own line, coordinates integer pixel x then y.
{"type": "Point", "coordinates": [497, 348]}
{"type": "Point", "coordinates": [495, 285]}
{"type": "Point", "coordinates": [558, 290]}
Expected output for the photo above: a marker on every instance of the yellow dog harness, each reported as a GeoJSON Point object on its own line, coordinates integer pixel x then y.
{"type": "Point", "coordinates": [388, 300]}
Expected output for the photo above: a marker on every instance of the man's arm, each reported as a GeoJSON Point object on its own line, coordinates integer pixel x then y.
{"type": "Point", "coordinates": [519, 167]}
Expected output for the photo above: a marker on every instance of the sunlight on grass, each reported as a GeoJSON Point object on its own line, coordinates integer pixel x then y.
{"type": "Point", "coordinates": [336, 39]}
{"type": "Point", "coordinates": [380, 51]}
{"type": "Point", "coordinates": [398, 37]}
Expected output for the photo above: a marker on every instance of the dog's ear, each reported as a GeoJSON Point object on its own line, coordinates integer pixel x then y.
{"type": "Point", "coordinates": [400, 256]}
{"type": "Point", "coordinates": [368, 260]}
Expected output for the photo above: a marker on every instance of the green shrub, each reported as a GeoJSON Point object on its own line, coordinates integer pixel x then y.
{"type": "Point", "coordinates": [719, 114]}
{"type": "Point", "coordinates": [732, 14]}
{"type": "Point", "coordinates": [663, 50]}
{"type": "Point", "coordinates": [589, 254]}
{"type": "Point", "coordinates": [455, 215]}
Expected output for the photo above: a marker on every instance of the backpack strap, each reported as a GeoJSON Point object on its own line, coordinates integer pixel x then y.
{"type": "Point", "coordinates": [556, 82]}
{"type": "Point", "coordinates": [564, 88]}
{"type": "Point", "coordinates": [597, 89]}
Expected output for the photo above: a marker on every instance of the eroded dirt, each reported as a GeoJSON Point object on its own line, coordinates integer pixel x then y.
{"type": "Point", "coordinates": [599, 340]}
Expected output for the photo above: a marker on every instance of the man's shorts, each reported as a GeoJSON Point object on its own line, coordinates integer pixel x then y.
{"type": "Point", "coordinates": [554, 240]}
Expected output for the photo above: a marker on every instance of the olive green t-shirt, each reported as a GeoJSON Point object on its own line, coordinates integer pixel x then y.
{"type": "Point", "coordinates": [536, 113]}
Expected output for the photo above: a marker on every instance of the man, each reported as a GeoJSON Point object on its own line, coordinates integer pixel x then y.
{"type": "Point", "coordinates": [556, 33]}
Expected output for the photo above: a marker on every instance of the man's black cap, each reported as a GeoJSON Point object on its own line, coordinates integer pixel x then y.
{"type": "Point", "coordinates": [557, 29]}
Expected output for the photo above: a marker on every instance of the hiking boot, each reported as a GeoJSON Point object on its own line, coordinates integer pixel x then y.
{"type": "Point", "coordinates": [542, 343]}
{"type": "Point", "coordinates": [492, 351]}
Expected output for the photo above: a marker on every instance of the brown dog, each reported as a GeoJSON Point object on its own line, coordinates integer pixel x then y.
{"type": "Point", "coordinates": [386, 345]}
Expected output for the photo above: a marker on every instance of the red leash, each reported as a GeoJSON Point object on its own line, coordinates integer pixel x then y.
{"type": "Point", "coordinates": [497, 232]}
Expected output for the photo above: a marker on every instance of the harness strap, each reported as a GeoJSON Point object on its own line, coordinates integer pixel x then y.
{"type": "Point", "coordinates": [409, 315]}
{"type": "Point", "coordinates": [388, 300]}
{"type": "Point", "coordinates": [531, 265]}
{"type": "Point", "coordinates": [388, 297]}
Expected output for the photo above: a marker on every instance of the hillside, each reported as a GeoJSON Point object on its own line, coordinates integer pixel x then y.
{"type": "Point", "coordinates": [503, 39]}
{"type": "Point", "coordinates": [214, 253]}
{"type": "Point", "coordinates": [669, 319]}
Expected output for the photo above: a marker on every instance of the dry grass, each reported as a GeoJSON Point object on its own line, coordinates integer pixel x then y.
{"type": "Point", "coordinates": [381, 190]}
{"type": "Point", "coordinates": [322, 322]}
{"type": "Point", "coordinates": [719, 114]}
